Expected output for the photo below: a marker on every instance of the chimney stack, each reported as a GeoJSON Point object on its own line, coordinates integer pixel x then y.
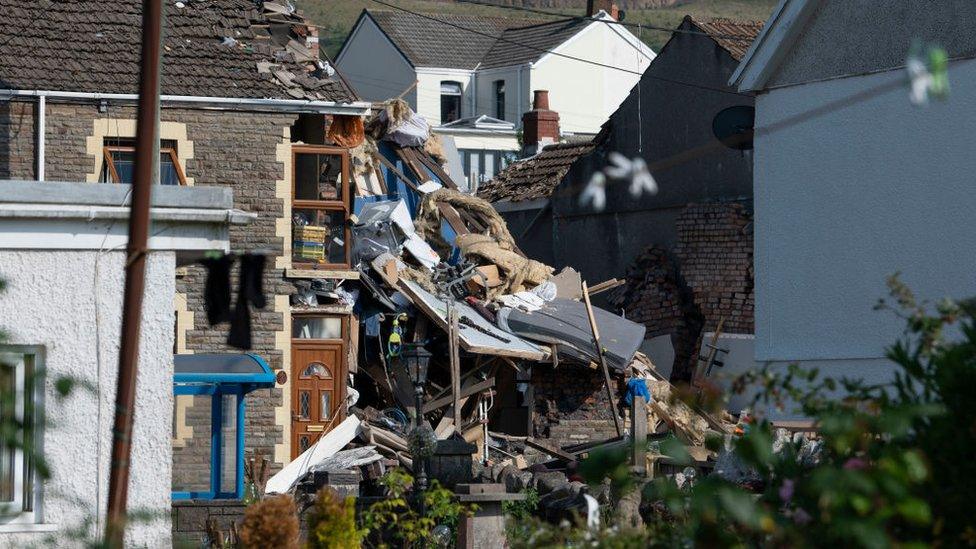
{"type": "Point", "coordinates": [609, 6]}
{"type": "Point", "coordinates": [540, 126]}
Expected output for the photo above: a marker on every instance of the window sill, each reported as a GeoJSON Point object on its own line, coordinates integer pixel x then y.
{"type": "Point", "coordinates": [345, 274]}
{"type": "Point", "coordinates": [27, 528]}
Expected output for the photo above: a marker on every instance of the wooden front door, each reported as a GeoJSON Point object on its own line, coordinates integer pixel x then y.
{"type": "Point", "coordinates": [318, 382]}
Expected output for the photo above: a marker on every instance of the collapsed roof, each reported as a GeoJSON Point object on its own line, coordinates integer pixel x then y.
{"type": "Point", "coordinates": [535, 177]}
{"type": "Point", "coordinates": [212, 48]}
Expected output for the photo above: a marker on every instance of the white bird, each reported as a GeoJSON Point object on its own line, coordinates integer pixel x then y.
{"type": "Point", "coordinates": [595, 192]}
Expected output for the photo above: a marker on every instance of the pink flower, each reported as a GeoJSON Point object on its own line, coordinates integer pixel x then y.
{"type": "Point", "coordinates": [786, 490]}
{"type": "Point", "coordinates": [855, 464]}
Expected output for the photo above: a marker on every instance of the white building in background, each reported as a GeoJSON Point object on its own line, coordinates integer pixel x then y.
{"type": "Point", "coordinates": [472, 77]}
{"type": "Point", "coordinates": [62, 255]}
{"type": "Point", "coordinates": [853, 182]}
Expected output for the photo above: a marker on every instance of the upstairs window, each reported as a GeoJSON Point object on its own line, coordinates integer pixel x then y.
{"type": "Point", "coordinates": [120, 157]}
{"type": "Point", "coordinates": [450, 101]}
{"type": "Point", "coordinates": [500, 99]}
{"type": "Point", "coordinates": [320, 208]}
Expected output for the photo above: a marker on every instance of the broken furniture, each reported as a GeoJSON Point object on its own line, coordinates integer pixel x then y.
{"type": "Point", "coordinates": [225, 379]}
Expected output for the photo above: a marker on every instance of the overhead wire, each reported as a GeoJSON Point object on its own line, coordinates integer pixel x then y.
{"type": "Point", "coordinates": [554, 53]}
{"type": "Point", "coordinates": [606, 21]}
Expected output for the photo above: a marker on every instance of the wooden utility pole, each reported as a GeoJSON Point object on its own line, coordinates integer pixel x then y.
{"type": "Point", "coordinates": [603, 360]}
{"type": "Point", "coordinates": [146, 171]}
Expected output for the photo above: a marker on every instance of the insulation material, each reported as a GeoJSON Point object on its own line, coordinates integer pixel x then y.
{"type": "Point", "coordinates": [347, 131]}
{"type": "Point", "coordinates": [520, 272]}
{"type": "Point", "coordinates": [688, 424]}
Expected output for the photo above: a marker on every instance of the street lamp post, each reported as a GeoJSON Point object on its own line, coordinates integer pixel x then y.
{"type": "Point", "coordinates": [417, 358]}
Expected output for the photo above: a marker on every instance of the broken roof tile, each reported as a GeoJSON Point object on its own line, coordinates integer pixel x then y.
{"type": "Point", "coordinates": [535, 177]}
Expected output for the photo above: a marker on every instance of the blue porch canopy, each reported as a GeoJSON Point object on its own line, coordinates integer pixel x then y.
{"type": "Point", "coordinates": [226, 379]}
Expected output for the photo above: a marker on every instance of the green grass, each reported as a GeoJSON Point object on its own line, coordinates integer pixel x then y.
{"type": "Point", "coordinates": [336, 17]}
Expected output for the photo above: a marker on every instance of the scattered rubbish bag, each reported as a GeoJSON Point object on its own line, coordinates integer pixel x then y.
{"type": "Point", "coordinates": [565, 322]}
{"type": "Point", "coordinates": [324, 448]}
{"type": "Point", "coordinates": [407, 129]}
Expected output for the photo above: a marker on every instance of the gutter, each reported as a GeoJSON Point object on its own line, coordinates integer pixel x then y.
{"type": "Point", "coordinates": [117, 213]}
{"type": "Point", "coordinates": [355, 108]}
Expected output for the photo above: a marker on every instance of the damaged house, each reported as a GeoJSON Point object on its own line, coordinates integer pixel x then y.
{"type": "Point", "coordinates": [684, 253]}
{"type": "Point", "coordinates": [472, 76]}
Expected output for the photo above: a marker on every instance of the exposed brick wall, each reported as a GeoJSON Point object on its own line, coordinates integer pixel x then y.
{"type": "Point", "coordinates": [230, 149]}
{"type": "Point", "coordinates": [705, 277]}
{"type": "Point", "coordinates": [571, 400]}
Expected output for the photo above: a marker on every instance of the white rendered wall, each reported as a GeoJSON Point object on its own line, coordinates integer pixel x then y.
{"type": "Point", "coordinates": [428, 92]}
{"type": "Point", "coordinates": [585, 94]}
{"type": "Point", "coordinates": [849, 196]}
{"type": "Point", "coordinates": [57, 299]}
{"type": "Point", "coordinates": [373, 65]}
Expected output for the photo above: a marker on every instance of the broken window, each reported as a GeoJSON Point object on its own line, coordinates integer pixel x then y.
{"type": "Point", "coordinates": [17, 407]}
{"type": "Point", "coordinates": [500, 99]}
{"type": "Point", "coordinates": [119, 157]}
{"type": "Point", "coordinates": [320, 210]}
{"type": "Point", "coordinates": [450, 101]}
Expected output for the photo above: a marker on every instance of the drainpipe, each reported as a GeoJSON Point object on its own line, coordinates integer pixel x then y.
{"type": "Point", "coordinates": [41, 133]}
{"type": "Point", "coordinates": [518, 94]}
{"type": "Point", "coordinates": [474, 90]}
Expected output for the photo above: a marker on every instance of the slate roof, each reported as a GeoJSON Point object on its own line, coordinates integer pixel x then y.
{"type": "Point", "coordinates": [429, 43]}
{"type": "Point", "coordinates": [214, 48]}
{"type": "Point", "coordinates": [535, 177]}
{"type": "Point", "coordinates": [733, 36]}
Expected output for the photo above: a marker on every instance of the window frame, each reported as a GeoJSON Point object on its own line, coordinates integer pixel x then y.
{"type": "Point", "coordinates": [342, 205]}
{"type": "Point", "coordinates": [499, 88]}
{"type": "Point", "coordinates": [459, 95]}
{"type": "Point", "coordinates": [107, 151]}
{"type": "Point", "coordinates": [29, 385]}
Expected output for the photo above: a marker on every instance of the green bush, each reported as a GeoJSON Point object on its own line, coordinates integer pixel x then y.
{"type": "Point", "coordinates": [897, 466]}
{"type": "Point", "coordinates": [332, 522]}
{"type": "Point", "coordinates": [394, 519]}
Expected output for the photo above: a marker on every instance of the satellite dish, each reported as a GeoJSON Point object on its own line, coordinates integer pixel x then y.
{"type": "Point", "coordinates": [734, 126]}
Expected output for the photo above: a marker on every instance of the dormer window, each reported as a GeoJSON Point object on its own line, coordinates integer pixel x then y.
{"type": "Point", "coordinates": [450, 101]}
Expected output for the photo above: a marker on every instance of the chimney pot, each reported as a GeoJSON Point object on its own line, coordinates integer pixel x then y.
{"type": "Point", "coordinates": [540, 100]}
{"type": "Point", "coordinates": [609, 6]}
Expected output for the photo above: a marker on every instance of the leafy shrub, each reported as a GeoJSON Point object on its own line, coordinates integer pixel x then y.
{"type": "Point", "coordinates": [395, 519]}
{"type": "Point", "coordinates": [271, 522]}
{"type": "Point", "coordinates": [897, 465]}
{"type": "Point", "coordinates": [332, 522]}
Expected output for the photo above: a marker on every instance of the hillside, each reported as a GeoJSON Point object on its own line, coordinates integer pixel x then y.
{"type": "Point", "coordinates": [336, 17]}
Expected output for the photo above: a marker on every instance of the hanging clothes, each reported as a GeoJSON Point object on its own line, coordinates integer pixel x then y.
{"type": "Point", "coordinates": [216, 295]}
{"type": "Point", "coordinates": [250, 292]}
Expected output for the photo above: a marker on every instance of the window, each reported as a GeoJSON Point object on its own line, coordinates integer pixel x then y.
{"type": "Point", "coordinates": [320, 210]}
{"type": "Point", "coordinates": [18, 496]}
{"type": "Point", "coordinates": [120, 158]}
{"type": "Point", "coordinates": [450, 101]}
{"type": "Point", "coordinates": [500, 99]}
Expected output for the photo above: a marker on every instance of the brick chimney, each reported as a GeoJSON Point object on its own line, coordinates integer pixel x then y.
{"type": "Point", "coordinates": [609, 6]}
{"type": "Point", "coordinates": [540, 126]}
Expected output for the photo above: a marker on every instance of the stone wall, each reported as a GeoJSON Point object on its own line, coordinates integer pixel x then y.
{"type": "Point", "coordinates": [706, 276]}
{"type": "Point", "coordinates": [235, 149]}
{"type": "Point", "coordinates": [571, 404]}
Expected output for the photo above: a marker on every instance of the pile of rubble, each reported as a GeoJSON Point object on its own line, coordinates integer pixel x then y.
{"type": "Point", "coordinates": [438, 268]}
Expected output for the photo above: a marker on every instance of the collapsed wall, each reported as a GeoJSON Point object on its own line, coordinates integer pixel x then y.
{"type": "Point", "coordinates": [686, 290]}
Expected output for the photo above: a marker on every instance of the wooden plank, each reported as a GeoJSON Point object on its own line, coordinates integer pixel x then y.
{"type": "Point", "coordinates": [453, 352]}
{"type": "Point", "coordinates": [606, 285]}
{"type": "Point", "coordinates": [603, 361]}
{"type": "Point", "coordinates": [638, 422]}
{"type": "Point", "coordinates": [389, 165]}
{"type": "Point", "coordinates": [554, 452]}
{"type": "Point", "coordinates": [474, 389]}
{"type": "Point", "coordinates": [453, 218]}
{"type": "Point", "coordinates": [427, 161]}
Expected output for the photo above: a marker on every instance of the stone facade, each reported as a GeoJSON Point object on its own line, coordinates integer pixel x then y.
{"type": "Point", "coordinates": [705, 277]}
{"type": "Point", "coordinates": [236, 149]}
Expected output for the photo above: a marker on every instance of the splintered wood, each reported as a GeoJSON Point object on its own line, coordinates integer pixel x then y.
{"type": "Point", "coordinates": [686, 423]}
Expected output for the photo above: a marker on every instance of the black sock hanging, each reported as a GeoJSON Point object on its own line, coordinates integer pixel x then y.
{"type": "Point", "coordinates": [249, 292]}
{"type": "Point", "coordinates": [216, 296]}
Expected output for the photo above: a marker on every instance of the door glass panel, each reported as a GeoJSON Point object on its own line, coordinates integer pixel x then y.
{"type": "Point", "coordinates": [318, 176]}
{"type": "Point", "coordinates": [302, 444]}
{"type": "Point", "coordinates": [325, 405]}
{"type": "Point", "coordinates": [8, 390]}
{"type": "Point", "coordinates": [323, 327]}
{"type": "Point", "coordinates": [304, 405]}
{"type": "Point", "coordinates": [228, 448]}
{"type": "Point", "coordinates": [317, 369]}
{"type": "Point", "coordinates": [191, 457]}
